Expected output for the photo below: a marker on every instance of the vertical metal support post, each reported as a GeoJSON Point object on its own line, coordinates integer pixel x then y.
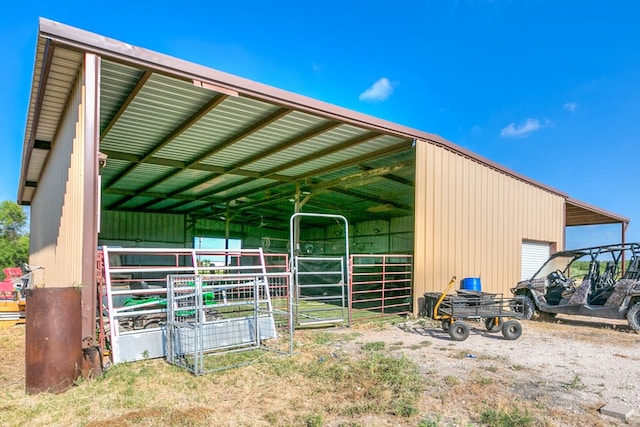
{"type": "Point", "coordinates": [256, 312]}
{"type": "Point", "coordinates": [91, 137]}
{"type": "Point", "coordinates": [199, 331]}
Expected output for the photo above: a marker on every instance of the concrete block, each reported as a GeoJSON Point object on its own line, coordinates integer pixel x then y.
{"type": "Point", "coordinates": [617, 411]}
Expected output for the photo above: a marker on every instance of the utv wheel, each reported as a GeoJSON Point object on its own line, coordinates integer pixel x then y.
{"type": "Point", "coordinates": [511, 330]}
{"type": "Point", "coordinates": [459, 330]}
{"type": "Point", "coordinates": [493, 324]}
{"type": "Point", "coordinates": [446, 324]}
{"type": "Point", "coordinates": [633, 316]}
{"type": "Point", "coordinates": [528, 308]}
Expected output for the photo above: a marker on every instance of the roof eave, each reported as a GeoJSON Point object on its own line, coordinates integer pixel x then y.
{"type": "Point", "coordinates": [605, 217]}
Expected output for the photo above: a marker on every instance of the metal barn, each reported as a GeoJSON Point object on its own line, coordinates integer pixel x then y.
{"type": "Point", "coordinates": [125, 147]}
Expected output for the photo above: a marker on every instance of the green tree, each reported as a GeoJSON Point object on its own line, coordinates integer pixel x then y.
{"type": "Point", "coordinates": [14, 241]}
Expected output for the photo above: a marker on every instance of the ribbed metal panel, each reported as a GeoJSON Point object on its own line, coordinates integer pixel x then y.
{"type": "Point", "coordinates": [286, 128]}
{"type": "Point", "coordinates": [64, 68]}
{"type": "Point", "coordinates": [471, 221]}
{"type": "Point", "coordinates": [182, 179]}
{"type": "Point", "coordinates": [144, 227]}
{"type": "Point", "coordinates": [333, 138]}
{"type": "Point", "coordinates": [188, 207]}
{"type": "Point", "coordinates": [115, 168]}
{"type": "Point", "coordinates": [227, 120]}
{"type": "Point", "coordinates": [58, 206]}
{"type": "Point", "coordinates": [160, 107]}
{"type": "Point", "coordinates": [217, 182]}
{"type": "Point", "coordinates": [143, 175]}
{"type": "Point", "coordinates": [133, 204]}
{"type": "Point", "coordinates": [339, 156]}
{"type": "Point", "coordinates": [256, 183]}
{"type": "Point", "coordinates": [37, 73]}
{"type": "Point", "coordinates": [38, 159]}
{"type": "Point", "coordinates": [117, 81]}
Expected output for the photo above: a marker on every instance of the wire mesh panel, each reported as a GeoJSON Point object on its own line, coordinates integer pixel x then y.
{"type": "Point", "coordinates": [225, 315]}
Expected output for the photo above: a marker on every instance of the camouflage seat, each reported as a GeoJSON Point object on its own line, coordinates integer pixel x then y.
{"type": "Point", "coordinates": [620, 290]}
{"type": "Point", "coordinates": [580, 295]}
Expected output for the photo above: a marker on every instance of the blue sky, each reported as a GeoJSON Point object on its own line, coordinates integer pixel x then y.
{"type": "Point", "coordinates": [549, 89]}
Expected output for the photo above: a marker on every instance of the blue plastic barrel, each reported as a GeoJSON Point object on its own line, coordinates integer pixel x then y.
{"type": "Point", "coordinates": [471, 284]}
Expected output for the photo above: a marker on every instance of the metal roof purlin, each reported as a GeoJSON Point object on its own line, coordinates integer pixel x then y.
{"type": "Point", "coordinates": [370, 174]}
{"type": "Point", "coordinates": [235, 169]}
{"type": "Point", "coordinates": [364, 175]}
{"type": "Point", "coordinates": [286, 144]}
{"type": "Point", "coordinates": [271, 173]}
{"type": "Point", "coordinates": [373, 155]}
{"type": "Point", "coordinates": [391, 177]}
{"type": "Point", "coordinates": [378, 200]}
{"type": "Point", "coordinates": [203, 111]}
{"type": "Point", "coordinates": [379, 153]}
{"type": "Point", "coordinates": [322, 153]}
{"type": "Point", "coordinates": [278, 114]}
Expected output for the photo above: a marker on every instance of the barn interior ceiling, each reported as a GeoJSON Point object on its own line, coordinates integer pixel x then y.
{"type": "Point", "coordinates": [173, 146]}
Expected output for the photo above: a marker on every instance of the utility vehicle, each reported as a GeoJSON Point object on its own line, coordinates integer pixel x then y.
{"type": "Point", "coordinates": [600, 281]}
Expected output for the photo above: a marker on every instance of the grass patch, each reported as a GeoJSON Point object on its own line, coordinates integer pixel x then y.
{"type": "Point", "coordinates": [324, 338]}
{"type": "Point", "coordinates": [373, 346]}
{"type": "Point", "coordinates": [513, 417]}
{"type": "Point", "coordinates": [430, 422]}
{"type": "Point", "coordinates": [451, 380]}
{"type": "Point", "coordinates": [420, 345]}
{"type": "Point", "coordinates": [483, 381]}
{"type": "Point", "coordinates": [575, 384]}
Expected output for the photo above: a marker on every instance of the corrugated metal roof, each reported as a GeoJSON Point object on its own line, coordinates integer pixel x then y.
{"type": "Point", "coordinates": [184, 138]}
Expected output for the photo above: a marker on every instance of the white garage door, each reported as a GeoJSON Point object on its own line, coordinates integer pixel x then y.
{"type": "Point", "coordinates": [534, 254]}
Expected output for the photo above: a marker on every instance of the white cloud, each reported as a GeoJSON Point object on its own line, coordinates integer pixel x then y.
{"type": "Point", "coordinates": [379, 91]}
{"type": "Point", "coordinates": [530, 125]}
{"type": "Point", "coordinates": [570, 106]}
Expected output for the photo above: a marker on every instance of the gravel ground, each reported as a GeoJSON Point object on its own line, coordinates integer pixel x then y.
{"type": "Point", "coordinates": [568, 365]}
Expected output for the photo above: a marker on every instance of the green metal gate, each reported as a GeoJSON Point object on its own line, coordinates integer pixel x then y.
{"type": "Point", "coordinates": [320, 283]}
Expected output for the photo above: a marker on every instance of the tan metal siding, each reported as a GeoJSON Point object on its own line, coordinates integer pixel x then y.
{"type": "Point", "coordinates": [471, 219]}
{"type": "Point", "coordinates": [57, 208]}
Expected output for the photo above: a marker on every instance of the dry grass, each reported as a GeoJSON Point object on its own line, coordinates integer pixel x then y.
{"type": "Point", "coordinates": [334, 379]}
{"type": "Point", "coordinates": [314, 387]}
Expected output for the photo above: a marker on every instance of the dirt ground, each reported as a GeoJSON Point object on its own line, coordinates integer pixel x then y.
{"type": "Point", "coordinates": [570, 365]}
{"type": "Point", "coordinates": [560, 372]}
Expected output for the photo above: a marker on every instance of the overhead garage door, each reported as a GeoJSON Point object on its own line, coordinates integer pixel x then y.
{"type": "Point", "coordinates": [534, 254]}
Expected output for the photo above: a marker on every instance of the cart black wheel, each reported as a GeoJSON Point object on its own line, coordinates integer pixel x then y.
{"type": "Point", "coordinates": [446, 324]}
{"type": "Point", "coordinates": [459, 330]}
{"type": "Point", "coordinates": [493, 324]}
{"type": "Point", "coordinates": [511, 330]}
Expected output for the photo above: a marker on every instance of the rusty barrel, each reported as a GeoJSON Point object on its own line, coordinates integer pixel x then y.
{"type": "Point", "coordinates": [53, 339]}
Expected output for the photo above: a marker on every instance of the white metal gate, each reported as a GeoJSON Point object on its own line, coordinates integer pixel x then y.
{"type": "Point", "coordinates": [134, 302]}
{"type": "Point", "coordinates": [320, 283]}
